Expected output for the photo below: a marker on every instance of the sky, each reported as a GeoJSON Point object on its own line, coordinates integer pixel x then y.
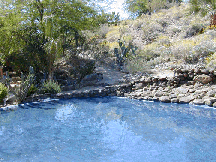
{"type": "Point", "coordinates": [116, 6]}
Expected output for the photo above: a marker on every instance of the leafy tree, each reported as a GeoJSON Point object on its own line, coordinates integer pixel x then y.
{"type": "Point", "coordinates": [139, 7]}
{"type": "Point", "coordinates": [202, 5]}
{"type": "Point", "coordinates": [30, 31]}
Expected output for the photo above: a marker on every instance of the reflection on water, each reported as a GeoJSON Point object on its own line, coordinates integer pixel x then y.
{"type": "Point", "coordinates": [108, 129]}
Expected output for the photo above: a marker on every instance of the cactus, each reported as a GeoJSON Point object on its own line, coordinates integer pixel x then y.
{"type": "Point", "coordinates": [123, 52]}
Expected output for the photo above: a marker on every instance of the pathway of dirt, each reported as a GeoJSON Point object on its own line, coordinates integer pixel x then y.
{"type": "Point", "coordinates": [110, 77]}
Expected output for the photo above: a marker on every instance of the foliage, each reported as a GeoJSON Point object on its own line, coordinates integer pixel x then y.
{"type": "Point", "coordinates": [33, 89]}
{"type": "Point", "coordinates": [22, 91]}
{"type": "Point", "coordinates": [3, 91]}
{"type": "Point", "coordinates": [37, 32]}
{"type": "Point", "coordinates": [139, 7]}
{"type": "Point", "coordinates": [203, 6]}
{"type": "Point", "coordinates": [87, 69]}
{"type": "Point", "coordinates": [195, 29]}
{"type": "Point", "coordinates": [51, 87]}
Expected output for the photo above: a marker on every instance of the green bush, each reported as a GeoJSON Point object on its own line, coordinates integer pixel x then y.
{"type": "Point", "coordinates": [3, 91]}
{"type": "Point", "coordinates": [51, 87]}
{"type": "Point", "coordinates": [32, 90]}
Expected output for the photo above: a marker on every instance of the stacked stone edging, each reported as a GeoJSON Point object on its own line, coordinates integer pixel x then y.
{"type": "Point", "coordinates": [114, 90]}
{"type": "Point", "coordinates": [194, 86]}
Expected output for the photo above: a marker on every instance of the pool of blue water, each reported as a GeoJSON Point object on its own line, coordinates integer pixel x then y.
{"type": "Point", "coordinates": [107, 129]}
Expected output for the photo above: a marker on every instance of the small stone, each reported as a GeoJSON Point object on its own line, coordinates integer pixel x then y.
{"type": "Point", "coordinates": [173, 95]}
{"type": "Point", "coordinates": [138, 85]}
{"type": "Point", "coordinates": [192, 90]}
{"type": "Point", "coordinates": [197, 71]}
{"type": "Point", "coordinates": [165, 99]}
{"type": "Point", "coordinates": [182, 90]}
{"type": "Point", "coordinates": [159, 94]}
{"type": "Point", "coordinates": [205, 71]}
{"type": "Point", "coordinates": [174, 100]}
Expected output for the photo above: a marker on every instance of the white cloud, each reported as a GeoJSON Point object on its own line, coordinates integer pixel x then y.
{"type": "Point", "coordinates": [115, 6]}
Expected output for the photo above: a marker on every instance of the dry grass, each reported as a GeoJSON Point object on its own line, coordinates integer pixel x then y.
{"type": "Point", "coordinates": [165, 36]}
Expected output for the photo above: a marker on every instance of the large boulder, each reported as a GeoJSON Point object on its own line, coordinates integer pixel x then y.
{"type": "Point", "coordinates": [198, 102]}
{"type": "Point", "coordinates": [204, 79]}
{"type": "Point", "coordinates": [186, 99]}
{"type": "Point", "coordinates": [210, 101]}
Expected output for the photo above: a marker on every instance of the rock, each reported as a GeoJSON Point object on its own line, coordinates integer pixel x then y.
{"type": "Point", "coordinates": [211, 93]}
{"type": "Point", "coordinates": [162, 79]}
{"type": "Point", "coordinates": [182, 90]}
{"type": "Point", "coordinates": [138, 85]}
{"type": "Point", "coordinates": [173, 95]}
{"type": "Point", "coordinates": [205, 71]}
{"type": "Point", "coordinates": [184, 71]}
{"type": "Point", "coordinates": [181, 95]}
{"type": "Point", "coordinates": [214, 105]}
{"type": "Point", "coordinates": [191, 82]}
{"type": "Point", "coordinates": [148, 80]}
{"type": "Point", "coordinates": [197, 71]}
{"type": "Point", "coordinates": [158, 93]}
{"type": "Point", "coordinates": [145, 89]}
{"type": "Point", "coordinates": [210, 101]}
{"type": "Point", "coordinates": [165, 99]}
{"type": "Point", "coordinates": [192, 90]}
{"type": "Point", "coordinates": [154, 80]}
{"type": "Point", "coordinates": [198, 102]}
{"type": "Point", "coordinates": [186, 99]}
{"type": "Point", "coordinates": [185, 75]}
{"type": "Point", "coordinates": [155, 99]}
{"type": "Point", "coordinates": [11, 98]}
{"type": "Point", "coordinates": [204, 79]}
{"type": "Point", "coordinates": [197, 85]}
{"type": "Point", "coordinates": [178, 71]}
{"type": "Point", "coordinates": [174, 100]}
{"type": "Point", "coordinates": [200, 96]}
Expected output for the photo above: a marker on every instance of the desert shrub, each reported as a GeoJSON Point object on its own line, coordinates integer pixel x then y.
{"type": "Point", "coordinates": [104, 29]}
{"type": "Point", "coordinates": [151, 31]}
{"type": "Point", "coordinates": [50, 86]}
{"type": "Point", "coordinates": [136, 64]}
{"type": "Point", "coordinates": [195, 29]}
{"type": "Point", "coordinates": [211, 61]}
{"type": "Point", "coordinates": [3, 91]}
{"type": "Point", "coordinates": [204, 49]}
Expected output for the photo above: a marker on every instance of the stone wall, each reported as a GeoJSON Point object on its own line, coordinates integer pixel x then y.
{"type": "Point", "coordinates": [195, 86]}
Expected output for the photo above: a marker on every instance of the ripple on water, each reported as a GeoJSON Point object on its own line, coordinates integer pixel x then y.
{"type": "Point", "coordinates": [107, 129]}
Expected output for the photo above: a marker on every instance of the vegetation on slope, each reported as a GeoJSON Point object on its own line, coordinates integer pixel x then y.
{"type": "Point", "coordinates": [173, 36]}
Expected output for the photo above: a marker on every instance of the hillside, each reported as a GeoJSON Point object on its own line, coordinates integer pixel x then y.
{"type": "Point", "coordinates": [164, 40]}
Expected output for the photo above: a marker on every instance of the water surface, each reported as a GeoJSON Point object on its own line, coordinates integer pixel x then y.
{"type": "Point", "coordinates": [108, 129]}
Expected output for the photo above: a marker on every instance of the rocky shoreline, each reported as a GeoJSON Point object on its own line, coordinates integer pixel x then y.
{"type": "Point", "coordinates": [195, 86]}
